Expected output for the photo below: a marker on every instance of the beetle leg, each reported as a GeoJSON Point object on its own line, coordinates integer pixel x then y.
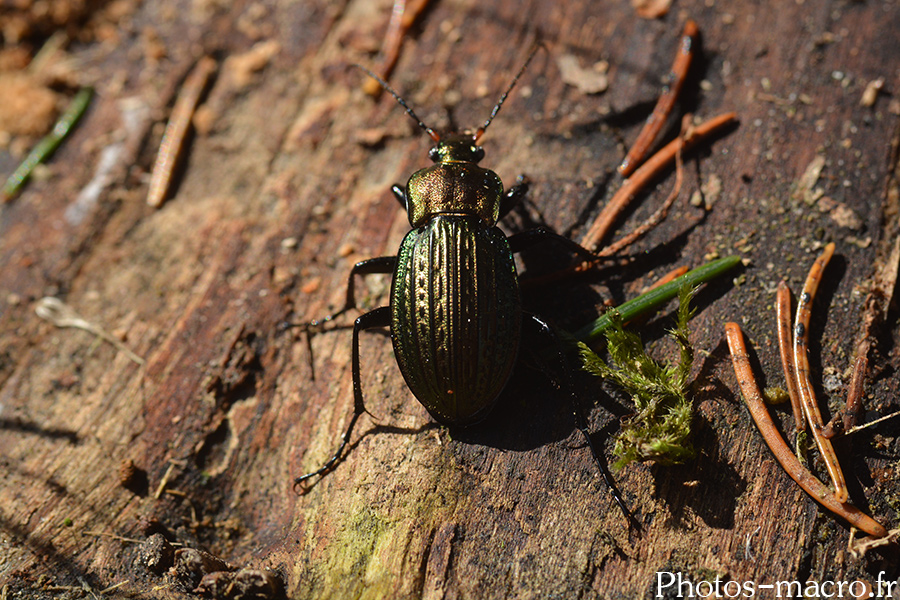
{"type": "Point", "coordinates": [380, 317]}
{"type": "Point", "coordinates": [400, 194]}
{"type": "Point", "coordinates": [382, 264]}
{"type": "Point", "coordinates": [534, 322]}
{"type": "Point", "coordinates": [526, 239]}
{"type": "Point", "coordinates": [513, 195]}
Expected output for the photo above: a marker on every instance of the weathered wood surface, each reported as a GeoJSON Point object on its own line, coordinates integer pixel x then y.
{"type": "Point", "coordinates": [512, 508]}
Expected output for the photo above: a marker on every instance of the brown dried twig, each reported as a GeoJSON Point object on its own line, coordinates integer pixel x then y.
{"type": "Point", "coordinates": [757, 407]}
{"type": "Point", "coordinates": [801, 371]}
{"type": "Point", "coordinates": [647, 173]}
{"type": "Point", "coordinates": [844, 419]}
{"type": "Point", "coordinates": [177, 128]}
{"type": "Point", "coordinates": [661, 213]}
{"type": "Point", "coordinates": [879, 298]}
{"type": "Point", "coordinates": [670, 276]}
{"type": "Point", "coordinates": [666, 101]}
{"type": "Point", "coordinates": [652, 169]}
{"type": "Point", "coordinates": [403, 17]}
{"type": "Point", "coordinates": [785, 347]}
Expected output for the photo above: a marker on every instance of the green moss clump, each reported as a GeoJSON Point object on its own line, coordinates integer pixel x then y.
{"type": "Point", "coordinates": [660, 428]}
{"type": "Point", "coordinates": [775, 395]}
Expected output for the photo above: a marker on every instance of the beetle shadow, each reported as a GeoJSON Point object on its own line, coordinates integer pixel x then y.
{"type": "Point", "coordinates": [707, 486]}
{"type": "Point", "coordinates": [530, 412]}
{"type": "Point", "coordinates": [536, 406]}
{"type": "Point", "coordinates": [535, 409]}
{"type": "Point", "coordinates": [578, 305]}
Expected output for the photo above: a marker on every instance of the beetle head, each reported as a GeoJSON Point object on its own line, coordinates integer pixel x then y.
{"type": "Point", "coordinates": [456, 147]}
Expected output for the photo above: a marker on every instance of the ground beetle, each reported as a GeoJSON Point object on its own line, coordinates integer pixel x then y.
{"type": "Point", "coordinates": [455, 313]}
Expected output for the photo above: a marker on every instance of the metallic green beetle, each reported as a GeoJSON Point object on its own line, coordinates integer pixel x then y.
{"type": "Point", "coordinates": [455, 308]}
{"type": "Point", "coordinates": [455, 314]}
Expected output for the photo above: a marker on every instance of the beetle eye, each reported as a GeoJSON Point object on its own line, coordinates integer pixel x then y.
{"type": "Point", "coordinates": [477, 153]}
{"type": "Point", "coordinates": [434, 154]}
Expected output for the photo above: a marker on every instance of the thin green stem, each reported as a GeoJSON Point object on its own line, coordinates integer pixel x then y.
{"type": "Point", "coordinates": [657, 297]}
{"type": "Point", "coordinates": [48, 144]}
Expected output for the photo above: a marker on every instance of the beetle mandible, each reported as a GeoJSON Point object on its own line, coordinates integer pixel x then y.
{"type": "Point", "coordinates": [455, 313]}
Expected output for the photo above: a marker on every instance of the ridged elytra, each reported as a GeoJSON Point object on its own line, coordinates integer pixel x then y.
{"type": "Point", "coordinates": [455, 315]}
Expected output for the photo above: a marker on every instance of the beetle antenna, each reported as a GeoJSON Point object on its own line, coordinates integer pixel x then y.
{"type": "Point", "coordinates": [384, 85]}
{"type": "Point", "coordinates": [537, 46]}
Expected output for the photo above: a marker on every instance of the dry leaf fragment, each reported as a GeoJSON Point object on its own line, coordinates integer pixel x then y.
{"type": "Point", "coordinates": [651, 9]}
{"type": "Point", "coordinates": [805, 186]}
{"type": "Point", "coordinates": [588, 81]}
{"type": "Point", "coordinates": [870, 94]}
{"type": "Point", "coordinates": [241, 67]}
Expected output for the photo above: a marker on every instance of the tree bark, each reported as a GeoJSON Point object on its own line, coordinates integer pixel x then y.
{"type": "Point", "coordinates": [288, 185]}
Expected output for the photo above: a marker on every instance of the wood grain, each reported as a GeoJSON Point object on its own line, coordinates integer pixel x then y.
{"type": "Point", "coordinates": [291, 186]}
